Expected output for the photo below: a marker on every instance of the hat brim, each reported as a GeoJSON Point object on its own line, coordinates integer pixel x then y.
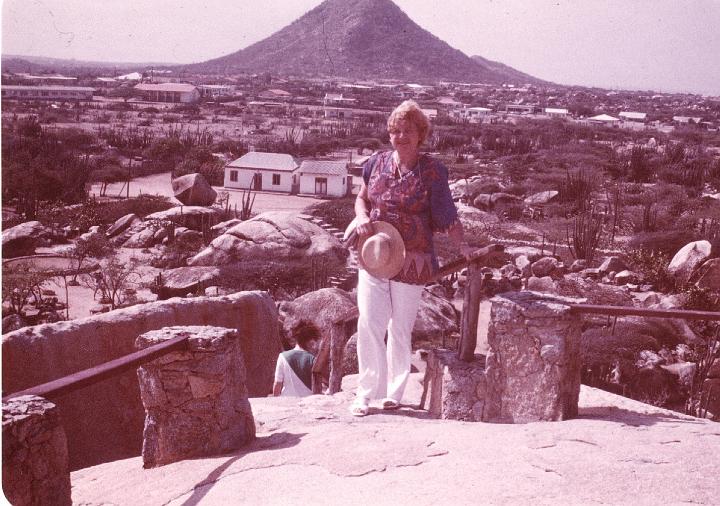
{"type": "Point", "coordinates": [391, 268]}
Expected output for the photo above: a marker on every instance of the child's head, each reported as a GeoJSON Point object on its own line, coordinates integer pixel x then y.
{"type": "Point", "coordinates": [305, 332]}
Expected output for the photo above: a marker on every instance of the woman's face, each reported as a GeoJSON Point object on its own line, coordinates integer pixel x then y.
{"type": "Point", "coordinates": [405, 137]}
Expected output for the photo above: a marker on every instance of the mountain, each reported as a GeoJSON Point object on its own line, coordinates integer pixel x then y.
{"type": "Point", "coordinates": [513, 75]}
{"type": "Point", "coordinates": [40, 64]}
{"type": "Point", "coordinates": [368, 39]}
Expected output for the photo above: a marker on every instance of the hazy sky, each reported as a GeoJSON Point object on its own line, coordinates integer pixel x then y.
{"type": "Point", "coordinates": [667, 45]}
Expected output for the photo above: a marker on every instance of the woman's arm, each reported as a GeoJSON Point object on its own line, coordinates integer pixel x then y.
{"type": "Point", "coordinates": [362, 212]}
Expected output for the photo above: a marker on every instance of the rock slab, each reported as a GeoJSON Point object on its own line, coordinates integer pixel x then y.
{"type": "Point", "coordinates": [196, 401]}
{"type": "Point", "coordinates": [34, 453]}
{"type": "Point", "coordinates": [533, 366]}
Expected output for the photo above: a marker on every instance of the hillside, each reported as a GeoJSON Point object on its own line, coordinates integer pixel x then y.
{"type": "Point", "coordinates": [363, 39]}
{"type": "Point", "coordinates": [512, 74]}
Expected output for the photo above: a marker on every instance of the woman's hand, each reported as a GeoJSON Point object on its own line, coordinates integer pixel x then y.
{"type": "Point", "coordinates": [363, 226]}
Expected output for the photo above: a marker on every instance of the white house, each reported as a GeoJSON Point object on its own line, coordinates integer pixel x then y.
{"type": "Point", "coordinates": [324, 177]}
{"type": "Point", "coordinates": [262, 171]}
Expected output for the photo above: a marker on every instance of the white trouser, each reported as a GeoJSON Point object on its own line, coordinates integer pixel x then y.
{"type": "Point", "coordinates": [384, 306]}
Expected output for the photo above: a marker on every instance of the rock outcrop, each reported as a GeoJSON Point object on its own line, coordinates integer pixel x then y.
{"type": "Point", "coordinates": [21, 240]}
{"type": "Point", "coordinates": [280, 236]}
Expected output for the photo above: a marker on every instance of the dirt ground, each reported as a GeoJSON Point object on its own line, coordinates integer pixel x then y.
{"type": "Point", "coordinates": [159, 184]}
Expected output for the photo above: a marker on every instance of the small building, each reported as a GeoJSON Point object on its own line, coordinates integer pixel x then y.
{"type": "Point", "coordinates": [216, 90]}
{"type": "Point", "coordinates": [47, 92]}
{"type": "Point", "coordinates": [687, 120]}
{"type": "Point", "coordinates": [520, 108]}
{"type": "Point", "coordinates": [603, 119]}
{"type": "Point", "coordinates": [262, 171]}
{"type": "Point", "coordinates": [275, 94]}
{"type": "Point", "coordinates": [475, 114]}
{"type": "Point", "coordinates": [325, 178]}
{"type": "Point", "coordinates": [169, 92]}
{"type": "Point", "coordinates": [337, 99]}
{"type": "Point", "coordinates": [638, 117]}
{"type": "Point", "coordinates": [556, 113]}
{"type": "Point", "coordinates": [338, 113]}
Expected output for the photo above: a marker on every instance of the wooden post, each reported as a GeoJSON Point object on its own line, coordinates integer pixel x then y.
{"type": "Point", "coordinates": [337, 344]}
{"type": "Point", "coordinates": [470, 313]}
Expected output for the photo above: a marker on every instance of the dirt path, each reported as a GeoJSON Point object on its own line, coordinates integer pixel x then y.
{"type": "Point", "coordinates": [159, 184]}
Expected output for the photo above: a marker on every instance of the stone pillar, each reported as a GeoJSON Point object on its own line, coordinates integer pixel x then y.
{"type": "Point", "coordinates": [34, 453]}
{"type": "Point", "coordinates": [457, 388]}
{"type": "Point", "coordinates": [196, 402]}
{"type": "Point", "coordinates": [533, 367]}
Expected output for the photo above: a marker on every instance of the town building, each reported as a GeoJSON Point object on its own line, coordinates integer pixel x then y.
{"type": "Point", "coordinates": [556, 113]}
{"type": "Point", "coordinates": [262, 171]}
{"type": "Point", "coordinates": [639, 117]}
{"type": "Point", "coordinates": [216, 90]}
{"type": "Point", "coordinates": [47, 92]}
{"type": "Point", "coordinates": [324, 178]}
{"type": "Point", "coordinates": [169, 92]}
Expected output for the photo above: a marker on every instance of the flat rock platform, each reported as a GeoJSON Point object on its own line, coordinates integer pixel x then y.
{"type": "Point", "coordinates": [312, 451]}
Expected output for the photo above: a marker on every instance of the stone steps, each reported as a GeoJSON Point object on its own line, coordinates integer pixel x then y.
{"type": "Point", "coordinates": [348, 277]}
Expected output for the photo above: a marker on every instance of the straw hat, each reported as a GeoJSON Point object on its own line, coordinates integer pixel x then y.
{"type": "Point", "coordinates": [382, 254]}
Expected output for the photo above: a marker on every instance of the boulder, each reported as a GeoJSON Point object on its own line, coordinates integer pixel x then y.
{"type": "Point", "coordinates": [575, 285]}
{"type": "Point", "coordinates": [322, 307]}
{"type": "Point", "coordinates": [544, 267]}
{"type": "Point", "coordinates": [280, 236]}
{"type": "Point", "coordinates": [144, 237]}
{"type": "Point", "coordinates": [654, 385]}
{"type": "Point", "coordinates": [467, 188]}
{"type": "Point", "coordinates": [436, 317]}
{"type": "Point", "coordinates": [683, 372]}
{"type": "Point", "coordinates": [624, 277]}
{"type": "Point", "coordinates": [192, 217]}
{"type": "Point", "coordinates": [708, 275]}
{"type": "Point", "coordinates": [193, 190]}
{"type": "Point", "coordinates": [541, 198]}
{"type": "Point", "coordinates": [544, 284]}
{"type": "Point", "coordinates": [183, 280]}
{"type": "Point", "coordinates": [483, 201]}
{"type": "Point", "coordinates": [500, 198]}
{"type": "Point", "coordinates": [121, 225]}
{"type": "Point", "coordinates": [350, 360]}
{"type": "Point", "coordinates": [612, 264]}
{"type": "Point", "coordinates": [688, 257]}
{"type": "Point", "coordinates": [532, 253]}
{"type": "Point", "coordinates": [21, 240]}
{"type": "Point", "coordinates": [578, 265]}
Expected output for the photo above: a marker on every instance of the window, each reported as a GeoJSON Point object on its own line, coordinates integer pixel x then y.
{"type": "Point", "coordinates": [276, 179]}
{"type": "Point", "coordinates": [234, 176]}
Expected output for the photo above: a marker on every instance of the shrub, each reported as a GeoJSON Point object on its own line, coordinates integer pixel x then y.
{"type": "Point", "coordinates": [338, 212]}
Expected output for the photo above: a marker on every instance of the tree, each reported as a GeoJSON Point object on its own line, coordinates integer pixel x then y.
{"type": "Point", "coordinates": [20, 282]}
{"type": "Point", "coordinates": [113, 280]}
{"type": "Point", "coordinates": [92, 245]}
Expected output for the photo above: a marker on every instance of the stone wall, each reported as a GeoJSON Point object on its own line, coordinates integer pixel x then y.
{"type": "Point", "coordinates": [104, 422]}
{"type": "Point", "coordinates": [34, 453]}
{"type": "Point", "coordinates": [195, 400]}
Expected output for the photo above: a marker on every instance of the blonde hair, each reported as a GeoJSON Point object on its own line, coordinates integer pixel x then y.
{"type": "Point", "coordinates": [410, 111]}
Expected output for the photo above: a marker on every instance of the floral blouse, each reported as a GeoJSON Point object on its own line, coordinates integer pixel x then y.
{"type": "Point", "coordinates": [418, 203]}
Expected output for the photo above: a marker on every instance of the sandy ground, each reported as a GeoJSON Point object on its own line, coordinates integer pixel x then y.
{"type": "Point", "coordinates": [159, 184]}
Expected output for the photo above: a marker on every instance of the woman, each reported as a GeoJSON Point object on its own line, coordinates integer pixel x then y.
{"type": "Point", "coordinates": [410, 191]}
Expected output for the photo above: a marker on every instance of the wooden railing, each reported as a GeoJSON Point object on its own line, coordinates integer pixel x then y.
{"type": "Point", "coordinates": [93, 375]}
